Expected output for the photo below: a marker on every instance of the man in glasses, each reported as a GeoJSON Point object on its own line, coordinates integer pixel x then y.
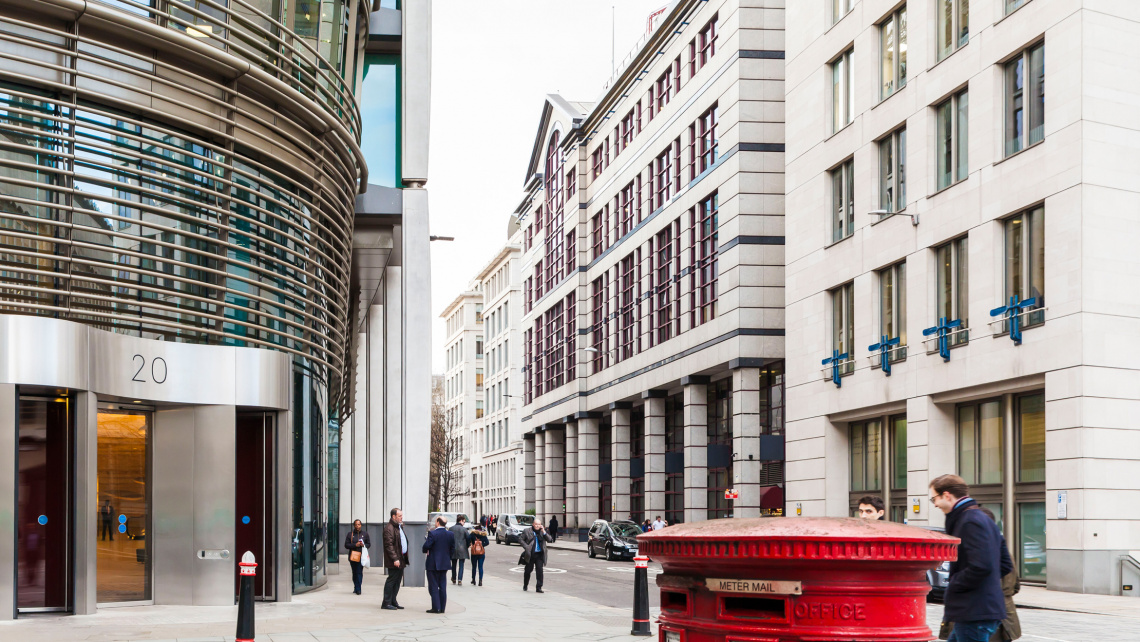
{"type": "Point", "coordinates": [974, 602]}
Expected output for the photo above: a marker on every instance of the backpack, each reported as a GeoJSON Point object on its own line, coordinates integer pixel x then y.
{"type": "Point", "coordinates": [477, 547]}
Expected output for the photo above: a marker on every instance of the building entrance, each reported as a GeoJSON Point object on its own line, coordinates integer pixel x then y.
{"type": "Point", "coordinates": [255, 506]}
{"type": "Point", "coordinates": [44, 529]}
{"type": "Point", "coordinates": [123, 552]}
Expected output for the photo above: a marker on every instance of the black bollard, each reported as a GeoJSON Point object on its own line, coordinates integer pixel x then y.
{"type": "Point", "coordinates": [245, 598]}
{"type": "Point", "coordinates": [641, 596]}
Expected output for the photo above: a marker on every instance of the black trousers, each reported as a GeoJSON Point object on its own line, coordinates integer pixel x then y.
{"type": "Point", "coordinates": [107, 529]}
{"type": "Point", "coordinates": [392, 584]}
{"type": "Point", "coordinates": [437, 589]}
{"type": "Point", "coordinates": [534, 563]}
{"type": "Point", "coordinates": [357, 575]}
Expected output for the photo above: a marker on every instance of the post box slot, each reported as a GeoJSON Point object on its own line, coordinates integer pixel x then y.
{"type": "Point", "coordinates": [675, 601]}
{"type": "Point", "coordinates": [762, 608]}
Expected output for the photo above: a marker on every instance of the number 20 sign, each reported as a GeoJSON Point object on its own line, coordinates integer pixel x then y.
{"type": "Point", "coordinates": [156, 372]}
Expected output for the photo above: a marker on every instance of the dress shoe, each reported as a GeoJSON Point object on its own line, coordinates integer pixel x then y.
{"type": "Point", "coordinates": [388, 607]}
{"type": "Point", "coordinates": [398, 606]}
{"type": "Point", "coordinates": [480, 582]}
{"type": "Point", "coordinates": [539, 591]}
{"type": "Point", "coordinates": [431, 611]}
{"type": "Point", "coordinates": [524, 588]}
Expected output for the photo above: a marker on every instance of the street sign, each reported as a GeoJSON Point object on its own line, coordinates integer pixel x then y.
{"type": "Point", "coordinates": [730, 493]}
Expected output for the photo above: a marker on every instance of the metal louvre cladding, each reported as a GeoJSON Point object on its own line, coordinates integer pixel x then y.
{"type": "Point", "coordinates": [228, 224]}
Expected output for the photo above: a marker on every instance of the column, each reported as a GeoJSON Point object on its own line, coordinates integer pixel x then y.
{"type": "Point", "coordinates": [746, 439]}
{"type": "Point", "coordinates": [619, 458]}
{"type": "Point", "coordinates": [555, 472]}
{"type": "Point", "coordinates": [587, 470]}
{"type": "Point", "coordinates": [696, 448]}
{"type": "Point", "coordinates": [572, 475]}
{"type": "Point", "coordinates": [539, 473]}
{"type": "Point", "coordinates": [528, 473]}
{"type": "Point", "coordinates": [654, 452]}
{"type": "Point", "coordinates": [931, 442]}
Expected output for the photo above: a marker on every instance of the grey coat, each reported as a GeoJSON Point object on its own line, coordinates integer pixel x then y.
{"type": "Point", "coordinates": [528, 537]}
{"type": "Point", "coordinates": [460, 550]}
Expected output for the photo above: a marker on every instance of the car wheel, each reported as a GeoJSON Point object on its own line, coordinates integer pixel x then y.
{"type": "Point", "coordinates": [590, 551]}
{"type": "Point", "coordinates": [498, 540]}
{"type": "Point", "coordinates": [609, 553]}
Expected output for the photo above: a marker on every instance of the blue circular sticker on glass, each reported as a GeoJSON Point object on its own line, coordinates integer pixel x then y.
{"type": "Point", "coordinates": [42, 520]}
{"type": "Point", "coordinates": [245, 519]}
{"type": "Point", "coordinates": [122, 528]}
{"type": "Point", "coordinates": [122, 519]}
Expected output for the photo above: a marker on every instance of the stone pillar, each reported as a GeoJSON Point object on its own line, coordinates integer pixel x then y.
{"type": "Point", "coordinates": [587, 471]}
{"type": "Point", "coordinates": [572, 475]}
{"type": "Point", "coordinates": [619, 458]}
{"type": "Point", "coordinates": [555, 473]}
{"type": "Point", "coordinates": [696, 448]}
{"type": "Point", "coordinates": [539, 472]}
{"type": "Point", "coordinates": [931, 439]}
{"type": "Point", "coordinates": [654, 452]}
{"type": "Point", "coordinates": [528, 473]}
{"type": "Point", "coordinates": [746, 440]}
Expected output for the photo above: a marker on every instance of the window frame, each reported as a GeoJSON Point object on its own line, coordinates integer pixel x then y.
{"type": "Point", "coordinates": [954, 251]}
{"type": "Point", "coordinates": [842, 94]}
{"type": "Point", "coordinates": [840, 9]}
{"type": "Point", "coordinates": [707, 139]}
{"type": "Point", "coordinates": [897, 24]}
{"type": "Point", "coordinates": [958, 37]}
{"type": "Point", "coordinates": [893, 277]}
{"type": "Point", "coordinates": [705, 259]}
{"type": "Point", "coordinates": [842, 198]}
{"type": "Point", "coordinates": [892, 172]}
{"type": "Point", "coordinates": [952, 148]}
{"type": "Point", "coordinates": [1020, 110]}
{"type": "Point", "coordinates": [843, 324]}
{"type": "Point", "coordinates": [1028, 264]}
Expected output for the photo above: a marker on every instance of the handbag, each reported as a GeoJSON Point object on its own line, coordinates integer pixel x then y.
{"type": "Point", "coordinates": [477, 548]}
{"type": "Point", "coordinates": [944, 630]}
{"type": "Point", "coordinates": [354, 556]}
{"type": "Point", "coordinates": [365, 560]}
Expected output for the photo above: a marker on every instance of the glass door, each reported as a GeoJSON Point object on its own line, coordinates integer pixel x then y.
{"type": "Point", "coordinates": [44, 503]}
{"type": "Point", "coordinates": [256, 525]}
{"type": "Point", "coordinates": [123, 559]}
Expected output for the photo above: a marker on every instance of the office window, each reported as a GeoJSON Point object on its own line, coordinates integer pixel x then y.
{"type": "Point", "coordinates": [1025, 99]}
{"type": "Point", "coordinates": [1025, 261]}
{"type": "Point", "coordinates": [892, 39]}
{"type": "Point", "coordinates": [892, 307]}
{"type": "Point", "coordinates": [1010, 5]}
{"type": "Point", "coordinates": [555, 198]}
{"type": "Point", "coordinates": [953, 284]}
{"type": "Point", "coordinates": [952, 139]}
{"type": "Point", "coordinates": [625, 210]}
{"type": "Point", "coordinates": [478, 409]}
{"type": "Point", "coordinates": [663, 284]}
{"type": "Point", "coordinates": [953, 25]}
{"type": "Point", "coordinates": [705, 261]}
{"type": "Point", "coordinates": [980, 442]}
{"type": "Point", "coordinates": [626, 311]}
{"type": "Point", "coordinates": [571, 337]}
{"type": "Point", "coordinates": [675, 498]}
{"type": "Point", "coordinates": [718, 506]}
{"type": "Point", "coordinates": [663, 177]}
{"type": "Point", "coordinates": [571, 257]}
{"type": "Point", "coordinates": [598, 323]}
{"type": "Point", "coordinates": [571, 182]}
{"type": "Point", "coordinates": [1031, 438]}
{"type": "Point", "coordinates": [596, 235]}
{"type": "Point", "coordinates": [707, 139]}
{"type": "Point", "coordinates": [843, 324]}
{"type": "Point", "coordinates": [718, 417]}
{"type": "Point", "coordinates": [771, 410]}
{"type": "Point", "coordinates": [663, 90]}
{"type": "Point", "coordinates": [842, 94]}
{"type": "Point", "coordinates": [843, 201]}
{"type": "Point", "coordinates": [478, 346]}
{"type": "Point", "coordinates": [637, 499]}
{"type": "Point", "coordinates": [840, 8]}
{"type": "Point", "coordinates": [866, 451]}
{"type": "Point", "coordinates": [892, 171]}
{"type": "Point", "coordinates": [706, 43]}
{"type": "Point", "coordinates": [596, 162]}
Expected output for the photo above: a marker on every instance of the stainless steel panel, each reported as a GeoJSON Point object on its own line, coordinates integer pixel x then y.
{"type": "Point", "coordinates": [138, 368]}
{"type": "Point", "coordinates": [213, 505]}
{"type": "Point", "coordinates": [172, 506]}
{"type": "Point", "coordinates": [262, 378]}
{"type": "Point", "coordinates": [86, 500]}
{"type": "Point", "coordinates": [8, 444]}
{"type": "Point", "coordinates": [43, 352]}
{"type": "Point", "coordinates": [374, 496]}
{"type": "Point", "coordinates": [417, 323]}
{"type": "Point", "coordinates": [389, 357]}
{"type": "Point", "coordinates": [284, 507]}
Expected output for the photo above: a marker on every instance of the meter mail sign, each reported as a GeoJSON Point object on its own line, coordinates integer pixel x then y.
{"type": "Point", "coordinates": [761, 587]}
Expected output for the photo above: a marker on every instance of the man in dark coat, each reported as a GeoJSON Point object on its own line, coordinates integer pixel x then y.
{"type": "Point", "coordinates": [438, 545]}
{"type": "Point", "coordinates": [395, 558]}
{"type": "Point", "coordinates": [974, 601]}
{"type": "Point", "coordinates": [553, 528]}
{"type": "Point", "coordinates": [534, 541]}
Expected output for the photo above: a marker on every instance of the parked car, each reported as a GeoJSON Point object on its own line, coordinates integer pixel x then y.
{"type": "Point", "coordinates": [937, 577]}
{"type": "Point", "coordinates": [509, 527]}
{"type": "Point", "coordinates": [615, 539]}
{"type": "Point", "coordinates": [451, 519]}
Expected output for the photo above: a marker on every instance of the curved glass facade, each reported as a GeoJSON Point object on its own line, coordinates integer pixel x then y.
{"type": "Point", "coordinates": [197, 190]}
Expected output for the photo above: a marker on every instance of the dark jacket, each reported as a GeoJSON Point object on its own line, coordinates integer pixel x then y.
{"type": "Point", "coordinates": [392, 548]}
{"type": "Point", "coordinates": [1010, 628]}
{"type": "Point", "coordinates": [480, 535]}
{"type": "Point", "coordinates": [528, 537]}
{"type": "Point", "coordinates": [460, 534]}
{"type": "Point", "coordinates": [438, 546]}
{"type": "Point", "coordinates": [354, 541]}
{"type": "Point", "coordinates": [973, 592]}
{"type": "Point", "coordinates": [553, 525]}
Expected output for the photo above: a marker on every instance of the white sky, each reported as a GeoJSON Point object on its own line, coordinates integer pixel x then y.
{"type": "Point", "coordinates": [492, 66]}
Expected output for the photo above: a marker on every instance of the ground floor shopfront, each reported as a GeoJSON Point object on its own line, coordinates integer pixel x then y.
{"type": "Point", "coordinates": [141, 470]}
{"type": "Point", "coordinates": [708, 446]}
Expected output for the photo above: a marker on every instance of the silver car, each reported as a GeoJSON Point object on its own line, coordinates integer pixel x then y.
{"type": "Point", "coordinates": [509, 526]}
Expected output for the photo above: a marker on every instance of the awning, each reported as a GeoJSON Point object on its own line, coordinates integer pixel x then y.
{"type": "Point", "coordinates": [772, 497]}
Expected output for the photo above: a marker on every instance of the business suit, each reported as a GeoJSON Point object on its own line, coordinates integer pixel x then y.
{"type": "Point", "coordinates": [530, 540]}
{"type": "Point", "coordinates": [438, 545]}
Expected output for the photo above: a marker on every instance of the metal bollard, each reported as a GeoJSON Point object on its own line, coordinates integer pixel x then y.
{"type": "Point", "coordinates": [245, 598]}
{"type": "Point", "coordinates": [641, 596]}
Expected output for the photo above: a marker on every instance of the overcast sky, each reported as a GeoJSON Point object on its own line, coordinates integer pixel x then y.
{"type": "Point", "coordinates": [492, 66]}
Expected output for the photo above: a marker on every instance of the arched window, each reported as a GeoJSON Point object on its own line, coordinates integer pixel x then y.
{"type": "Point", "coordinates": [555, 198]}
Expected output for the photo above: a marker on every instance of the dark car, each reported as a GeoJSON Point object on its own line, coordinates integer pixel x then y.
{"type": "Point", "coordinates": [616, 540]}
{"type": "Point", "coordinates": [938, 577]}
{"type": "Point", "coordinates": [509, 527]}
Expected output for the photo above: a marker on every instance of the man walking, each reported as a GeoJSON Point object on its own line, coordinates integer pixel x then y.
{"type": "Point", "coordinates": [657, 524]}
{"type": "Point", "coordinates": [974, 600]}
{"type": "Point", "coordinates": [395, 558]}
{"type": "Point", "coordinates": [553, 528]}
{"type": "Point", "coordinates": [438, 545]}
{"type": "Point", "coordinates": [459, 553]}
{"type": "Point", "coordinates": [872, 507]}
{"type": "Point", "coordinates": [534, 540]}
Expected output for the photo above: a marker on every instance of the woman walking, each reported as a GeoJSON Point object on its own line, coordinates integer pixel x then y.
{"type": "Point", "coordinates": [356, 541]}
{"type": "Point", "coordinates": [477, 540]}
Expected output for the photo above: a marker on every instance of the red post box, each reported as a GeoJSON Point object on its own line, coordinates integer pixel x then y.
{"type": "Point", "coordinates": [792, 579]}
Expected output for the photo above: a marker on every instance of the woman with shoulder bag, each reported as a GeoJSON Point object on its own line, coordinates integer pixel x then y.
{"type": "Point", "coordinates": [357, 543]}
{"type": "Point", "coordinates": [477, 540]}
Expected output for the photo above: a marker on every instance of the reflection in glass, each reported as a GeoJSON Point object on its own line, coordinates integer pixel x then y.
{"type": "Point", "coordinates": [1031, 438]}
{"type": "Point", "coordinates": [1031, 540]}
{"type": "Point", "coordinates": [123, 560]}
{"type": "Point", "coordinates": [967, 440]}
{"type": "Point", "coordinates": [898, 453]}
{"type": "Point", "coordinates": [380, 108]}
{"type": "Point", "coordinates": [990, 444]}
{"type": "Point", "coordinates": [43, 524]}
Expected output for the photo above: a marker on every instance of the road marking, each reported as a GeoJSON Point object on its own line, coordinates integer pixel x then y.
{"type": "Point", "coordinates": [520, 569]}
{"type": "Point", "coordinates": [626, 569]}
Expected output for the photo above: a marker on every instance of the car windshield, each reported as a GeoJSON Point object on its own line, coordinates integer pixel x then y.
{"type": "Point", "coordinates": [625, 530]}
{"type": "Point", "coordinates": [524, 520]}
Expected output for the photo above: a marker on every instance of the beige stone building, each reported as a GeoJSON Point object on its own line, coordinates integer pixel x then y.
{"type": "Point", "coordinates": [932, 180]}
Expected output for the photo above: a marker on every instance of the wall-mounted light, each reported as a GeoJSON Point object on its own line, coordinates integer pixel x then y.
{"type": "Point", "coordinates": [882, 213]}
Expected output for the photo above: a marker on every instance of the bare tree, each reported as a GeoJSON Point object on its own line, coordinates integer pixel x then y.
{"type": "Point", "coordinates": [446, 481]}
